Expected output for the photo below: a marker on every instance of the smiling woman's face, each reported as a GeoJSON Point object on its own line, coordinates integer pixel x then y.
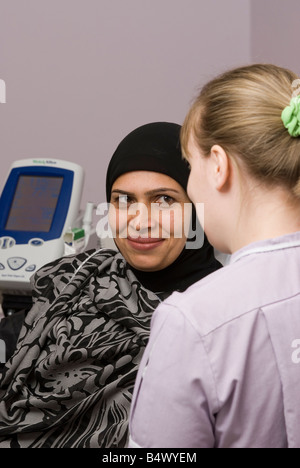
{"type": "Point", "coordinates": [150, 216]}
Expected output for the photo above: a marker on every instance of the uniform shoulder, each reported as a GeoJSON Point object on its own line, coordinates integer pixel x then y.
{"type": "Point", "coordinates": [216, 299]}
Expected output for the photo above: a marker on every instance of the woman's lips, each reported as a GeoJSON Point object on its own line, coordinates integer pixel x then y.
{"type": "Point", "coordinates": [145, 243]}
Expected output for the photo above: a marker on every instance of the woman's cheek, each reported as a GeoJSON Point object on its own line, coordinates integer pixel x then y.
{"type": "Point", "coordinates": [118, 221]}
{"type": "Point", "coordinates": [175, 222]}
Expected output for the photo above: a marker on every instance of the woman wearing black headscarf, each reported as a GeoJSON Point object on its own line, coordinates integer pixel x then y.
{"type": "Point", "coordinates": [70, 381]}
{"type": "Point", "coordinates": [154, 149]}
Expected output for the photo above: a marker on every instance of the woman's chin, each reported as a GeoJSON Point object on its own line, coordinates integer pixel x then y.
{"type": "Point", "coordinates": [145, 266]}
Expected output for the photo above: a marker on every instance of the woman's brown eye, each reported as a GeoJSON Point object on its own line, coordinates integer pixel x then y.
{"type": "Point", "coordinates": [165, 201]}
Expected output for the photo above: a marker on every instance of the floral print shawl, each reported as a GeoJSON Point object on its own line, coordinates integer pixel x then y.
{"type": "Point", "coordinates": [70, 381]}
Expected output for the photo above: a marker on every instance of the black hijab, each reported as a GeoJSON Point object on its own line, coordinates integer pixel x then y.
{"type": "Point", "coordinates": [156, 147]}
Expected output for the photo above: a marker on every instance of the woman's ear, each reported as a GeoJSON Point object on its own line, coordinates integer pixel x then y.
{"type": "Point", "coordinates": [220, 167]}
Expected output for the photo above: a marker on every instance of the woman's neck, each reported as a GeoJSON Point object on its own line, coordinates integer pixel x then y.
{"type": "Point", "coordinates": [267, 214]}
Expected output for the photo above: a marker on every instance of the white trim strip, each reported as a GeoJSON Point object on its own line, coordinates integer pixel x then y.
{"type": "Point", "coordinates": [263, 249]}
{"type": "Point", "coordinates": [133, 444]}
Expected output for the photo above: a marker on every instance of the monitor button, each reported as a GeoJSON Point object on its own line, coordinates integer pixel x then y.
{"type": "Point", "coordinates": [7, 243]}
{"type": "Point", "coordinates": [36, 242]}
{"type": "Point", "coordinates": [15, 263]}
{"type": "Point", "coordinates": [31, 268]}
{"type": "Point", "coordinates": [2, 267]}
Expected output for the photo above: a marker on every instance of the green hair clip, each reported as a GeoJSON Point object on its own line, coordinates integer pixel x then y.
{"type": "Point", "coordinates": [291, 117]}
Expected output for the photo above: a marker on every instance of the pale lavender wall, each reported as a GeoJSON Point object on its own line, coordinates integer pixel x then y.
{"type": "Point", "coordinates": [81, 74]}
{"type": "Point", "coordinates": [275, 32]}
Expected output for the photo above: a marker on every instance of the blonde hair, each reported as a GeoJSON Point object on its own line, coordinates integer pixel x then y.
{"type": "Point", "coordinates": [241, 111]}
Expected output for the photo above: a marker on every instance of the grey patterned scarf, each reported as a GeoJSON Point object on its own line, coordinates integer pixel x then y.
{"type": "Point", "coordinates": [70, 382]}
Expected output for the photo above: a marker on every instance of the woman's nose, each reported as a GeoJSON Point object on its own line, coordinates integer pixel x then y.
{"type": "Point", "coordinates": [142, 220]}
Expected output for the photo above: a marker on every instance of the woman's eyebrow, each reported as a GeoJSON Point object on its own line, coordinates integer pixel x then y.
{"type": "Point", "coordinates": [149, 193]}
{"type": "Point", "coordinates": [123, 192]}
{"type": "Point", "coordinates": [161, 190]}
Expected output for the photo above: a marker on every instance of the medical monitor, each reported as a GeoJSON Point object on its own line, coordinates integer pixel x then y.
{"type": "Point", "coordinates": [39, 202]}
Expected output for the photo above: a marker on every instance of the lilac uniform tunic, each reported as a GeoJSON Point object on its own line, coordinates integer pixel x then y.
{"type": "Point", "coordinates": [222, 367]}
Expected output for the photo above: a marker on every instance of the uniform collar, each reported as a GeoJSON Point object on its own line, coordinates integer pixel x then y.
{"type": "Point", "coordinates": [277, 243]}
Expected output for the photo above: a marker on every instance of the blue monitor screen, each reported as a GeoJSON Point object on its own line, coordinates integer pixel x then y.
{"type": "Point", "coordinates": [34, 203]}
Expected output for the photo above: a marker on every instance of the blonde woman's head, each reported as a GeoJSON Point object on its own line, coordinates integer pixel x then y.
{"type": "Point", "coordinates": [241, 111]}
